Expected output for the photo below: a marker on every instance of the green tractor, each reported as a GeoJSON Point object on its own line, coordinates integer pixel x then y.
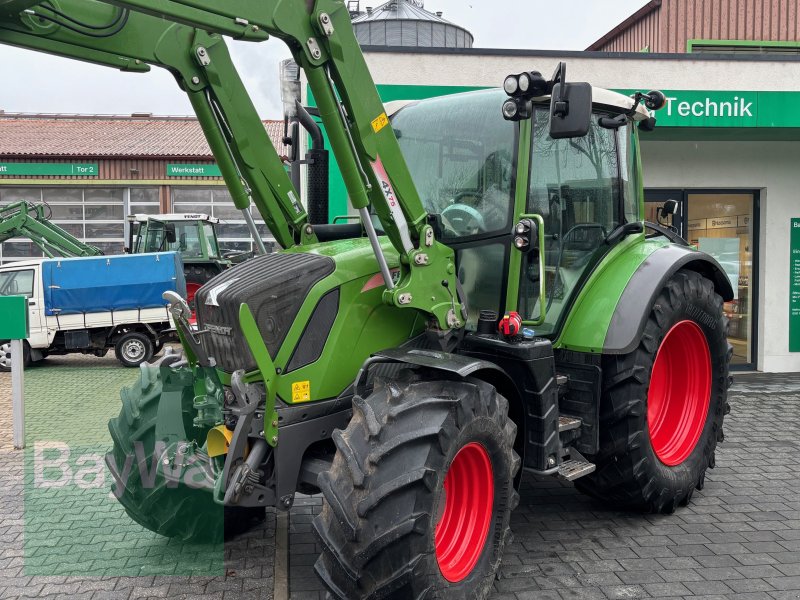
{"type": "Point", "coordinates": [502, 308]}
{"type": "Point", "coordinates": [193, 235]}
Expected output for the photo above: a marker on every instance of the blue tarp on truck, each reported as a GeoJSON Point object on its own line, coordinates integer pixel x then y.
{"type": "Point", "coordinates": [110, 283]}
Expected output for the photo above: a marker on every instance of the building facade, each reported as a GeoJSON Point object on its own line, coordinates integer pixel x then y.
{"type": "Point", "coordinates": [94, 171]}
{"type": "Point", "coordinates": [725, 148]}
{"type": "Point", "coordinates": [707, 26]}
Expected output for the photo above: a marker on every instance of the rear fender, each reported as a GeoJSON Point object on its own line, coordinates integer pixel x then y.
{"type": "Point", "coordinates": [633, 308]}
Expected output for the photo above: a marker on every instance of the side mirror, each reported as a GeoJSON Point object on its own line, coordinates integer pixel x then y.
{"type": "Point", "coordinates": [169, 232]}
{"type": "Point", "coordinates": [670, 207]}
{"type": "Point", "coordinates": [570, 110]}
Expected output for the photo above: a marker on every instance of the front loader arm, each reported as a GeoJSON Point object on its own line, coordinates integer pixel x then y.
{"type": "Point", "coordinates": [321, 38]}
{"type": "Point", "coordinates": [25, 220]}
{"type": "Point", "coordinates": [240, 144]}
{"type": "Point", "coordinates": [322, 41]}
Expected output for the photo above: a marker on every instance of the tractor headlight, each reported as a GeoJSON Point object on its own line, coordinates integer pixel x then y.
{"type": "Point", "coordinates": [511, 85]}
{"type": "Point", "coordinates": [510, 109]}
{"type": "Point", "coordinates": [517, 109]}
{"type": "Point", "coordinates": [524, 83]}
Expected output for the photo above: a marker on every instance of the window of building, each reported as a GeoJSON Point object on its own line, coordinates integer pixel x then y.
{"type": "Point", "coordinates": [232, 231]}
{"type": "Point", "coordinates": [144, 201]}
{"type": "Point", "coordinates": [95, 215]}
{"type": "Point", "coordinates": [742, 47]}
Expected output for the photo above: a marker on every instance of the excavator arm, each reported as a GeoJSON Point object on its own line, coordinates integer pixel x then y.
{"type": "Point", "coordinates": [184, 36]}
{"type": "Point", "coordinates": [23, 219]}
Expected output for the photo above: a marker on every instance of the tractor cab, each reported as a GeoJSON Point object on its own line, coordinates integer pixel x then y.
{"type": "Point", "coordinates": [528, 210]}
{"type": "Point", "coordinates": [193, 235]}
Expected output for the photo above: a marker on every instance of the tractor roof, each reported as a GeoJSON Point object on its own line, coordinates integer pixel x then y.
{"type": "Point", "coordinates": [173, 217]}
{"type": "Point", "coordinates": [601, 97]}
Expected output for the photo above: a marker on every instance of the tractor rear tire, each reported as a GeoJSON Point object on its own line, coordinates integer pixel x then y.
{"type": "Point", "coordinates": [419, 496]}
{"type": "Point", "coordinates": [178, 512]}
{"type": "Point", "coordinates": [663, 404]}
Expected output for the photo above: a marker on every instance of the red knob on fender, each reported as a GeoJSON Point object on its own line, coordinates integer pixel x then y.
{"type": "Point", "coordinates": [510, 325]}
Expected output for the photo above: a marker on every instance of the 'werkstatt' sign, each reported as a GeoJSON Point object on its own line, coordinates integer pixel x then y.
{"type": "Point", "coordinates": [193, 171]}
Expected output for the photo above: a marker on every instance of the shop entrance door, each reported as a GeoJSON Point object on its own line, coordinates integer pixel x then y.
{"type": "Point", "coordinates": [722, 223]}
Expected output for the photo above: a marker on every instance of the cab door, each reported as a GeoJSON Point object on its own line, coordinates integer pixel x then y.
{"type": "Point", "coordinates": [26, 281]}
{"type": "Point", "coordinates": [577, 192]}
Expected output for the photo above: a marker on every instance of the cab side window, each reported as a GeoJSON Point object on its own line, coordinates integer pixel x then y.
{"type": "Point", "coordinates": [17, 283]}
{"type": "Point", "coordinates": [576, 187]}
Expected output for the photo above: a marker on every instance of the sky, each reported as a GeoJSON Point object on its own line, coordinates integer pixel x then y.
{"type": "Point", "coordinates": [34, 82]}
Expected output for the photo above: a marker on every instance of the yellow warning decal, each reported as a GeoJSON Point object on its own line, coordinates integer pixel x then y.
{"type": "Point", "coordinates": [301, 391]}
{"type": "Point", "coordinates": [380, 123]}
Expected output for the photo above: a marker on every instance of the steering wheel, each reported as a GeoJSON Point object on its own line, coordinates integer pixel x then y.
{"type": "Point", "coordinates": [462, 219]}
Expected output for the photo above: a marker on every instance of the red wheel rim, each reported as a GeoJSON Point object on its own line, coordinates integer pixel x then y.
{"type": "Point", "coordinates": [464, 525]}
{"type": "Point", "coordinates": [680, 389]}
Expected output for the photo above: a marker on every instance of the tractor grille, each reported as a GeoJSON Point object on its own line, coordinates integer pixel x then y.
{"type": "Point", "coordinates": [274, 286]}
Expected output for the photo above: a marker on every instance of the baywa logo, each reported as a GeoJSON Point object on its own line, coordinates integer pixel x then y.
{"type": "Point", "coordinates": [56, 465]}
{"type": "Point", "coordinates": [76, 522]}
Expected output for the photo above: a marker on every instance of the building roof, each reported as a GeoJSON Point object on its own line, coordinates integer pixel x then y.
{"type": "Point", "coordinates": [626, 24]}
{"type": "Point", "coordinates": [39, 135]}
{"type": "Point", "coordinates": [399, 10]}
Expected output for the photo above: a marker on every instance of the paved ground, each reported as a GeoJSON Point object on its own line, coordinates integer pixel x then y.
{"type": "Point", "coordinates": [740, 537]}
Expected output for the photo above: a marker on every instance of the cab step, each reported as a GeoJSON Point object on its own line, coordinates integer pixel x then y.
{"type": "Point", "coordinates": [568, 423]}
{"type": "Point", "coordinates": [575, 467]}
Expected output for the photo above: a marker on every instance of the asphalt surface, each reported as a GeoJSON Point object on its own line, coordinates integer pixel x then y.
{"type": "Point", "coordinates": [739, 538]}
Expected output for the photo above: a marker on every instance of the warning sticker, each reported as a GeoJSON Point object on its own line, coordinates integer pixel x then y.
{"type": "Point", "coordinates": [380, 123]}
{"type": "Point", "coordinates": [301, 391]}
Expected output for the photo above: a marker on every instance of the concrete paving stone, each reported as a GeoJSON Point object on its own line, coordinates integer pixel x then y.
{"type": "Point", "coordinates": [682, 575]}
{"type": "Point", "coordinates": [753, 596]}
{"type": "Point", "coordinates": [622, 592]}
{"type": "Point", "coordinates": [640, 577]}
{"type": "Point", "coordinates": [712, 561]}
{"type": "Point", "coordinates": [791, 570]}
{"type": "Point", "coordinates": [784, 583]}
{"type": "Point", "coordinates": [741, 586]}
{"type": "Point", "coordinates": [654, 552]}
{"type": "Point", "coordinates": [708, 587]}
{"type": "Point", "coordinates": [539, 595]}
{"type": "Point", "coordinates": [658, 590]}
{"type": "Point", "coordinates": [589, 579]}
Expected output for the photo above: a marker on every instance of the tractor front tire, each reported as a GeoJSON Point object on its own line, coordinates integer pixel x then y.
{"type": "Point", "coordinates": [419, 496]}
{"type": "Point", "coordinates": [663, 404]}
{"type": "Point", "coordinates": [179, 512]}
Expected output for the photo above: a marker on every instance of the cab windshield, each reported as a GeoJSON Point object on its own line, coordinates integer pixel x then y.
{"type": "Point", "coordinates": [461, 156]}
{"type": "Point", "coordinates": [187, 239]}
